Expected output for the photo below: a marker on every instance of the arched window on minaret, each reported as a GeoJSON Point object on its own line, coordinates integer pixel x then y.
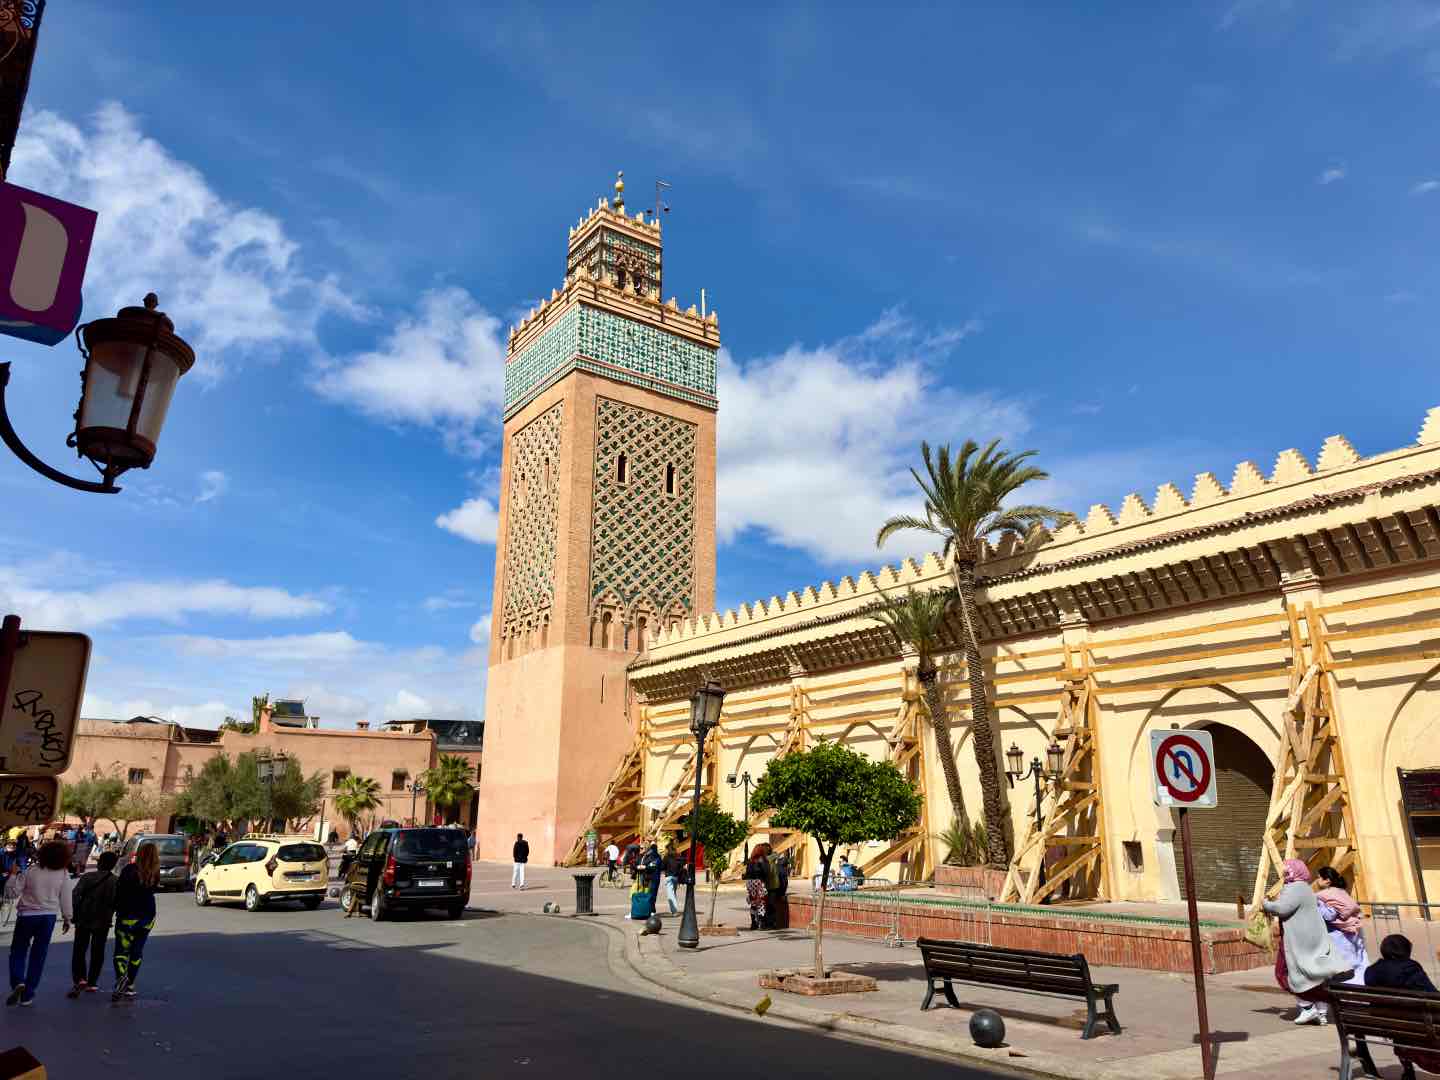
{"type": "Point", "coordinates": [641, 627]}
{"type": "Point", "coordinates": [622, 469]}
{"type": "Point", "coordinates": [669, 479]}
{"type": "Point", "coordinates": [606, 626]}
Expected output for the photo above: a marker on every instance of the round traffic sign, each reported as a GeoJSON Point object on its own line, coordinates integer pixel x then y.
{"type": "Point", "coordinates": [1183, 767]}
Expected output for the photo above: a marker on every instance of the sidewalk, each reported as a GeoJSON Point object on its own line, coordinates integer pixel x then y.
{"type": "Point", "coordinates": [1248, 1013]}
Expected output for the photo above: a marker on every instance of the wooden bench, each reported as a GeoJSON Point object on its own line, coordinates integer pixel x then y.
{"type": "Point", "coordinates": [1016, 969]}
{"type": "Point", "coordinates": [1406, 1019]}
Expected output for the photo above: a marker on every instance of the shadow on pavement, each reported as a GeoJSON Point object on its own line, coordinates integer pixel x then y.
{"type": "Point", "coordinates": [371, 1001]}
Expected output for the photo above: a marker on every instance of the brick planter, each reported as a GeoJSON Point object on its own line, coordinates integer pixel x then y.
{"type": "Point", "coordinates": [971, 882]}
{"type": "Point", "coordinates": [1147, 942]}
{"type": "Point", "coordinates": [835, 982]}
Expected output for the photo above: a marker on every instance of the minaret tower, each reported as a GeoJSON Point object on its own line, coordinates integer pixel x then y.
{"type": "Point", "coordinates": [607, 523]}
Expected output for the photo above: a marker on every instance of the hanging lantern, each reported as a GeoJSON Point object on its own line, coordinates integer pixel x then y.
{"type": "Point", "coordinates": [132, 364]}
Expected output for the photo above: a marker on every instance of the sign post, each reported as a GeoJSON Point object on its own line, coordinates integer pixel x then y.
{"type": "Point", "coordinates": [1184, 778]}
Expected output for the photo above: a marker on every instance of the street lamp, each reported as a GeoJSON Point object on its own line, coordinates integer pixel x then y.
{"type": "Point", "coordinates": [1051, 771]}
{"type": "Point", "coordinates": [417, 787]}
{"type": "Point", "coordinates": [704, 715]}
{"type": "Point", "coordinates": [132, 365]}
{"type": "Point", "coordinates": [269, 766]}
{"type": "Point", "coordinates": [744, 778]}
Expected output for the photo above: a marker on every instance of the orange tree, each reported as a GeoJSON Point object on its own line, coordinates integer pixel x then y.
{"type": "Point", "coordinates": [835, 796]}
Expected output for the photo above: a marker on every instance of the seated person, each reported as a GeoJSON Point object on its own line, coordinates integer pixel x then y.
{"type": "Point", "coordinates": [1396, 971]}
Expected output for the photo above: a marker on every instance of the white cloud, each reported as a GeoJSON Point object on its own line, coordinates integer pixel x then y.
{"type": "Point", "coordinates": [166, 601]}
{"type": "Point", "coordinates": [228, 275]}
{"type": "Point", "coordinates": [1425, 187]}
{"type": "Point", "coordinates": [443, 367]}
{"type": "Point", "coordinates": [476, 520]}
{"type": "Point", "coordinates": [213, 484]}
{"type": "Point", "coordinates": [453, 598]}
{"type": "Point", "coordinates": [480, 629]}
{"type": "Point", "coordinates": [1331, 175]}
{"type": "Point", "coordinates": [322, 647]}
{"type": "Point", "coordinates": [209, 714]}
{"type": "Point", "coordinates": [868, 402]}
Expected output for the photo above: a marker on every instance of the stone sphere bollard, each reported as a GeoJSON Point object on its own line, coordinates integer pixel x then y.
{"type": "Point", "coordinates": [652, 924]}
{"type": "Point", "coordinates": [987, 1028]}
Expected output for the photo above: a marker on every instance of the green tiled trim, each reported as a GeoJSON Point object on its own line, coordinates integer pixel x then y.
{"type": "Point", "coordinates": [1029, 910]}
{"type": "Point", "coordinates": [611, 345]}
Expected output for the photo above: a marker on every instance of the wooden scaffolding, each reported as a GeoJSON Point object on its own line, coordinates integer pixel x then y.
{"type": "Point", "coordinates": [1071, 812]}
{"type": "Point", "coordinates": [1310, 815]}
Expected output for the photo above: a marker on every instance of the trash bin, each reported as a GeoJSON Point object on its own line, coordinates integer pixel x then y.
{"type": "Point", "coordinates": [584, 894]}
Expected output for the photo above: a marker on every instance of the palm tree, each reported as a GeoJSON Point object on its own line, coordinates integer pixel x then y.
{"type": "Point", "coordinates": [918, 620]}
{"type": "Point", "coordinates": [964, 506]}
{"type": "Point", "coordinates": [356, 795]}
{"type": "Point", "coordinates": [448, 781]}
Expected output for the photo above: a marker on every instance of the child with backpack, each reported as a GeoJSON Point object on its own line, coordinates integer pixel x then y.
{"type": "Point", "coordinates": [94, 903]}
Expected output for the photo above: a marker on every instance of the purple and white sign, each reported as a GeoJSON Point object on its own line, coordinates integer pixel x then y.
{"type": "Point", "coordinates": [44, 246]}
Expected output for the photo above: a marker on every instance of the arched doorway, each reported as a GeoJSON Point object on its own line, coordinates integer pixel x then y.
{"type": "Point", "coordinates": [1227, 840]}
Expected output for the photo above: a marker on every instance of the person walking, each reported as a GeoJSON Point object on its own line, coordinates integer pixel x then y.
{"type": "Point", "coordinates": [84, 842]}
{"type": "Point", "coordinates": [521, 855]}
{"type": "Point", "coordinates": [134, 917]}
{"type": "Point", "coordinates": [756, 873]}
{"type": "Point", "coordinates": [1344, 921]}
{"type": "Point", "coordinates": [612, 860]}
{"type": "Point", "coordinates": [94, 902]}
{"type": "Point", "coordinates": [1306, 959]}
{"type": "Point", "coordinates": [650, 866]}
{"type": "Point", "coordinates": [672, 867]}
{"type": "Point", "coordinates": [44, 896]}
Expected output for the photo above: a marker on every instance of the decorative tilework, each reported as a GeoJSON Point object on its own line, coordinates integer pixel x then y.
{"type": "Point", "coordinates": [641, 353]}
{"type": "Point", "coordinates": [642, 539]}
{"type": "Point", "coordinates": [533, 510]}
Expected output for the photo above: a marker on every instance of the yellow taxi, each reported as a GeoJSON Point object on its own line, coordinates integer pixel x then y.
{"type": "Point", "coordinates": [257, 870]}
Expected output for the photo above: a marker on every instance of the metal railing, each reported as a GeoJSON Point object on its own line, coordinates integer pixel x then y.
{"type": "Point", "coordinates": [862, 909]}
{"type": "Point", "coordinates": [1418, 922]}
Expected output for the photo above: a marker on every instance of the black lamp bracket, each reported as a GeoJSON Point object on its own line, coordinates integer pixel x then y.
{"type": "Point", "coordinates": [106, 486]}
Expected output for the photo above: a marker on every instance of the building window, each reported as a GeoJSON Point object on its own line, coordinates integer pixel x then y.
{"type": "Point", "coordinates": [620, 469]}
{"type": "Point", "coordinates": [1134, 856]}
{"type": "Point", "coordinates": [669, 479]}
{"type": "Point", "coordinates": [398, 779]}
{"type": "Point", "coordinates": [338, 777]}
{"type": "Point", "coordinates": [137, 776]}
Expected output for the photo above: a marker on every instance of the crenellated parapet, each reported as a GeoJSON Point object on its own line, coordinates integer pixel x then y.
{"type": "Point", "coordinates": [1046, 572]}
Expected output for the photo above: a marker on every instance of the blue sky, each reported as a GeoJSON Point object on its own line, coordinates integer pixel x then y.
{"type": "Point", "coordinates": [1145, 240]}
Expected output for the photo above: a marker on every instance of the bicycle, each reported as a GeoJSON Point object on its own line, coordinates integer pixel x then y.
{"type": "Point", "coordinates": [623, 878]}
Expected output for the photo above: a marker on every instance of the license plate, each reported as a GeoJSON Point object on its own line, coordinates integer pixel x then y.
{"type": "Point", "coordinates": [302, 877]}
{"type": "Point", "coordinates": [431, 883]}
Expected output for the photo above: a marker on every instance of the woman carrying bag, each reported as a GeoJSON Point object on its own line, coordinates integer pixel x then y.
{"type": "Point", "coordinates": [1306, 959]}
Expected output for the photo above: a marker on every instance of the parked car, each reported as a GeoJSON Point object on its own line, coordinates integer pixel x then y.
{"type": "Point", "coordinates": [174, 852]}
{"type": "Point", "coordinates": [409, 868]}
{"type": "Point", "coordinates": [259, 870]}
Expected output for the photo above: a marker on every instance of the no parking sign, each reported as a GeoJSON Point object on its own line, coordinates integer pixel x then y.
{"type": "Point", "coordinates": [1183, 771]}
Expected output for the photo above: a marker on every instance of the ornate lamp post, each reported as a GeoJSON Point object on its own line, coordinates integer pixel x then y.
{"type": "Point", "coordinates": [132, 365]}
{"type": "Point", "coordinates": [1051, 771]}
{"type": "Point", "coordinates": [704, 715]}
{"type": "Point", "coordinates": [417, 787]}
{"type": "Point", "coordinates": [744, 778]}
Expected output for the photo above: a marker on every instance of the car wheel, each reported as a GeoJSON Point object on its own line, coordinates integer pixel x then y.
{"type": "Point", "coordinates": [202, 894]}
{"type": "Point", "coordinates": [311, 903]}
{"type": "Point", "coordinates": [252, 899]}
{"type": "Point", "coordinates": [455, 910]}
{"type": "Point", "coordinates": [348, 900]}
{"type": "Point", "coordinates": [377, 906]}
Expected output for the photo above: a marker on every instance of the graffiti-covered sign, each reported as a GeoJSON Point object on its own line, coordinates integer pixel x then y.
{"type": "Point", "coordinates": [28, 800]}
{"type": "Point", "coordinates": [42, 706]}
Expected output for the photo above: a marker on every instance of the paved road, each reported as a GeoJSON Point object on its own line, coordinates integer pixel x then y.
{"type": "Point", "coordinates": [287, 992]}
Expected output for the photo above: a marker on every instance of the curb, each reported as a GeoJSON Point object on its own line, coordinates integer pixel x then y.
{"type": "Point", "coordinates": [646, 959]}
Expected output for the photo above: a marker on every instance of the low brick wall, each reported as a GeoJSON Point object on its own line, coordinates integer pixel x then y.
{"type": "Point", "coordinates": [1151, 943]}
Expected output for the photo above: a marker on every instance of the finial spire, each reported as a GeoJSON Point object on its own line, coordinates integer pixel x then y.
{"type": "Point", "coordinates": [620, 190]}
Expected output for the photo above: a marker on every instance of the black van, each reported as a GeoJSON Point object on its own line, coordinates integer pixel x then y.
{"type": "Point", "coordinates": [409, 868]}
{"type": "Point", "coordinates": [174, 852]}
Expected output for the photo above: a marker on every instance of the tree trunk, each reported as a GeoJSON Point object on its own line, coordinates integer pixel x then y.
{"type": "Point", "coordinates": [983, 734]}
{"type": "Point", "coordinates": [714, 895]}
{"type": "Point", "coordinates": [825, 857]}
{"type": "Point", "coordinates": [940, 722]}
